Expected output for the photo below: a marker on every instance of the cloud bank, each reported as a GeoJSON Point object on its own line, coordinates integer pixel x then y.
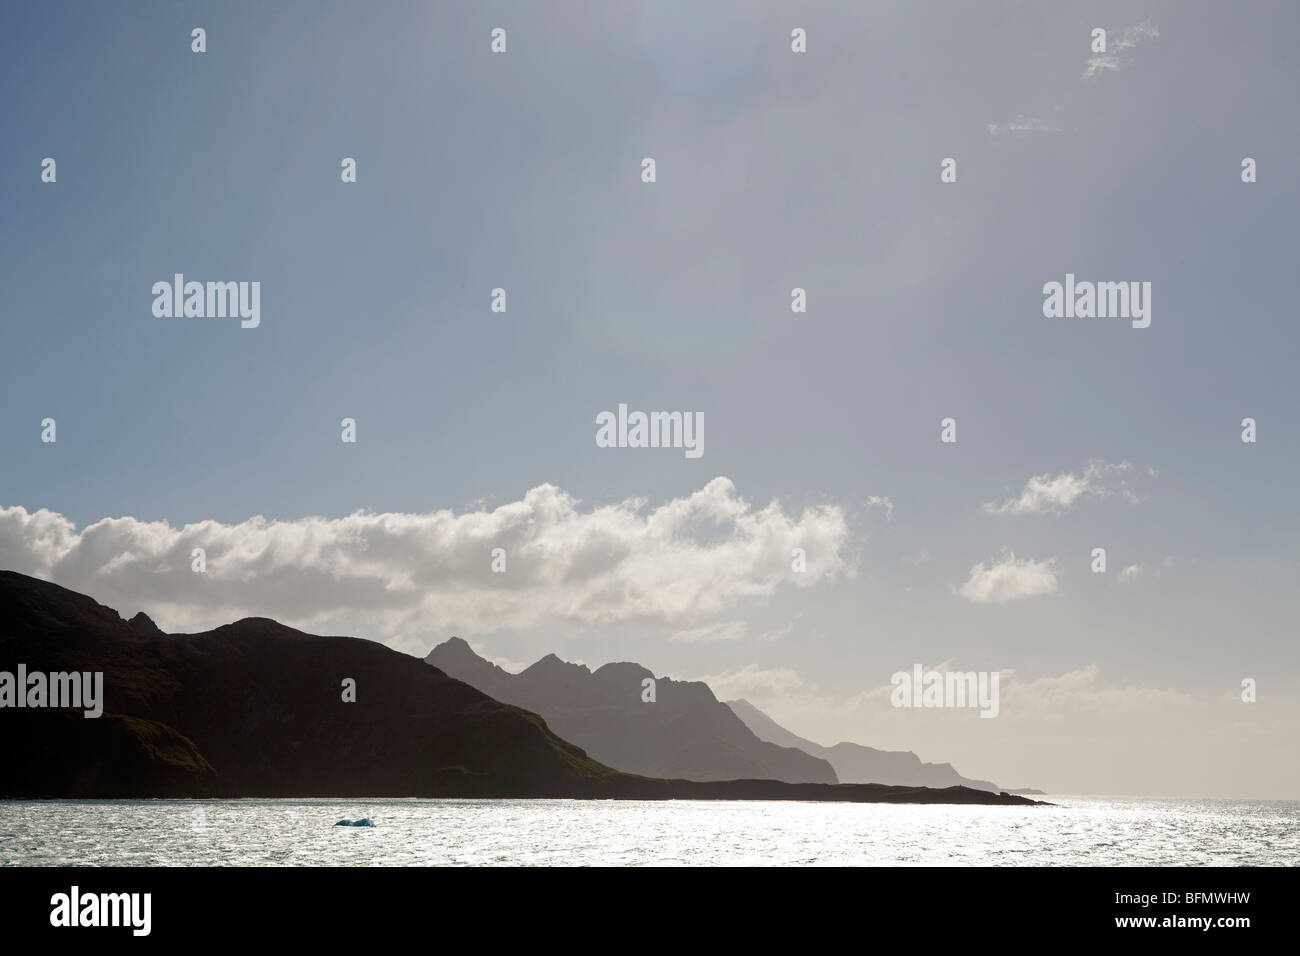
{"type": "Point", "coordinates": [430, 574]}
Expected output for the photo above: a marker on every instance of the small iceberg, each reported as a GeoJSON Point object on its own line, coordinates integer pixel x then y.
{"type": "Point", "coordinates": [363, 822]}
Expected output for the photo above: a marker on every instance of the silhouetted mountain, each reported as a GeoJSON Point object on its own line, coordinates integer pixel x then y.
{"type": "Point", "coordinates": [255, 708]}
{"type": "Point", "coordinates": [686, 732]}
{"type": "Point", "coordinates": [143, 623]}
{"type": "Point", "coordinates": [855, 763]}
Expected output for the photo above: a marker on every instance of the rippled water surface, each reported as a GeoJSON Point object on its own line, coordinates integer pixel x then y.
{"type": "Point", "coordinates": [1080, 830]}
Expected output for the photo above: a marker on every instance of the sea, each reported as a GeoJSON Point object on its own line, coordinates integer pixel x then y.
{"type": "Point", "coordinates": [1075, 830]}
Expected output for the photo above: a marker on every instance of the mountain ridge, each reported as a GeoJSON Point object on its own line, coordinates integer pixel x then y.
{"type": "Point", "coordinates": [255, 709]}
{"type": "Point", "coordinates": [685, 733]}
{"type": "Point", "coordinates": [857, 763]}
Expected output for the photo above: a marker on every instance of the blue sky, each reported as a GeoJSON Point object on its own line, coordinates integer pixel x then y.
{"type": "Point", "coordinates": [775, 170]}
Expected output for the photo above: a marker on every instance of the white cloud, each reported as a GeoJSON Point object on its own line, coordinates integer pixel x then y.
{"type": "Point", "coordinates": [1009, 579]}
{"type": "Point", "coordinates": [1021, 126]}
{"type": "Point", "coordinates": [777, 633]}
{"type": "Point", "coordinates": [755, 683]}
{"type": "Point", "coordinates": [1083, 691]}
{"type": "Point", "coordinates": [1044, 494]}
{"type": "Point", "coordinates": [505, 663]}
{"type": "Point", "coordinates": [724, 631]}
{"type": "Point", "coordinates": [1126, 39]}
{"type": "Point", "coordinates": [414, 575]}
{"type": "Point", "coordinates": [1131, 573]}
{"type": "Point", "coordinates": [880, 501]}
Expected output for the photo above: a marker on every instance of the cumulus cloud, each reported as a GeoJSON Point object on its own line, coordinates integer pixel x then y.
{"type": "Point", "coordinates": [1044, 494]}
{"type": "Point", "coordinates": [419, 574]}
{"type": "Point", "coordinates": [880, 501]}
{"type": "Point", "coordinates": [1119, 43]}
{"type": "Point", "coordinates": [1009, 580]}
{"type": "Point", "coordinates": [1131, 573]}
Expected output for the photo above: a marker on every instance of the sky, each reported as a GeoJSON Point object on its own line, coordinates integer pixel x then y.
{"type": "Point", "coordinates": [774, 170]}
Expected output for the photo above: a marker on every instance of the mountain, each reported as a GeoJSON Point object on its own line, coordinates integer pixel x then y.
{"type": "Point", "coordinates": [855, 763]}
{"type": "Point", "coordinates": [256, 709]}
{"type": "Point", "coordinates": [686, 732]}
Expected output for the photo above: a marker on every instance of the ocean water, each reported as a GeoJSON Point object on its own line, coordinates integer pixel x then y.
{"type": "Point", "coordinates": [1094, 831]}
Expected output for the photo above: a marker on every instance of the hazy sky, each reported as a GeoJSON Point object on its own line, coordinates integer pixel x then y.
{"type": "Point", "coordinates": [774, 170]}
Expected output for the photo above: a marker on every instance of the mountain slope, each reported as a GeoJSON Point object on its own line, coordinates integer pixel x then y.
{"type": "Point", "coordinates": [855, 763]}
{"type": "Point", "coordinates": [255, 709]}
{"type": "Point", "coordinates": [686, 732]}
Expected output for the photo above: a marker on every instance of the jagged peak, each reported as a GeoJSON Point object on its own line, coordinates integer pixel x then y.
{"type": "Point", "coordinates": [143, 623]}
{"type": "Point", "coordinates": [456, 646]}
{"type": "Point", "coordinates": [552, 664]}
